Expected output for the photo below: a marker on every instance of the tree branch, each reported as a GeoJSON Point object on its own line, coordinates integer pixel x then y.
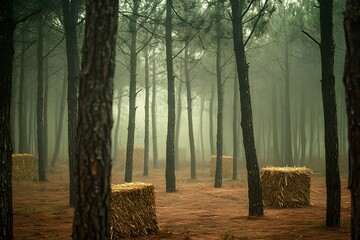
{"type": "Point", "coordinates": [311, 37]}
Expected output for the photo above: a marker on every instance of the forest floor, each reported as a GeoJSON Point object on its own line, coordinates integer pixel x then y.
{"type": "Point", "coordinates": [196, 211]}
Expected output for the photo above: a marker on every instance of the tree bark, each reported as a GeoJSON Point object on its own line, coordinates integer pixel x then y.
{"type": "Point", "coordinates": [352, 89]}
{"type": "Point", "coordinates": [327, 48]}
{"type": "Point", "coordinates": [254, 185]}
{"type": "Point", "coordinates": [147, 99]}
{"type": "Point", "coordinates": [40, 104]}
{"type": "Point", "coordinates": [170, 144]}
{"type": "Point", "coordinates": [153, 114]}
{"type": "Point", "coordinates": [23, 145]}
{"type": "Point", "coordinates": [132, 93]}
{"type": "Point", "coordinates": [219, 135]}
{"type": "Point", "coordinates": [70, 12]}
{"type": "Point", "coordinates": [93, 148]}
{"type": "Point", "coordinates": [189, 111]}
{"type": "Point", "coordinates": [7, 27]}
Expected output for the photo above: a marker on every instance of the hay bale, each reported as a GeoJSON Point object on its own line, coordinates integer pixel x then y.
{"type": "Point", "coordinates": [285, 186]}
{"type": "Point", "coordinates": [227, 166]}
{"type": "Point", "coordinates": [132, 210]}
{"type": "Point", "coordinates": [22, 168]}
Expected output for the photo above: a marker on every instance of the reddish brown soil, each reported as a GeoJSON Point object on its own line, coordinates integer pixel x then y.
{"type": "Point", "coordinates": [195, 211]}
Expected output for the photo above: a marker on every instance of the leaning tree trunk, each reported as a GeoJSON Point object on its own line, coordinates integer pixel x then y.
{"type": "Point", "coordinates": [219, 136]}
{"type": "Point", "coordinates": [352, 88]}
{"type": "Point", "coordinates": [254, 185]}
{"type": "Point", "coordinates": [93, 149]}
{"type": "Point", "coordinates": [189, 108]}
{"type": "Point", "coordinates": [132, 94]}
{"type": "Point", "coordinates": [170, 143]}
{"type": "Point", "coordinates": [70, 12]}
{"type": "Point", "coordinates": [7, 27]}
{"type": "Point", "coordinates": [40, 104]}
{"type": "Point", "coordinates": [327, 47]}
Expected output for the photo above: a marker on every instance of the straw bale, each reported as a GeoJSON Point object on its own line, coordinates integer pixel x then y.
{"type": "Point", "coordinates": [22, 168]}
{"type": "Point", "coordinates": [132, 210]}
{"type": "Point", "coordinates": [286, 186]}
{"type": "Point", "coordinates": [227, 166]}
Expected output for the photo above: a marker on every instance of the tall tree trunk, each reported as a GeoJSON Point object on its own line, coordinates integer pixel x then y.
{"type": "Point", "coordinates": [311, 133]}
{"type": "Point", "coordinates": [117, 125]}
{"type": "Point", "coordinates": [277, 160]}
{"type": "Point", "coordinates": [254, 185]}
{"type": "Point", "coordinates": [70, 12]}
{"type": "Point", "coordinates": [288, 153]}
{"type": "Point", "coordinates": [201, 127]}
{"type": "Point", "coordinates": [189, 111]}
{"type": "Point", "coordinates": [46, 100]}
{"type": "Point", "coordinates": [40, 104]}
{"type": "Point", "coordinates": [60, 126]}
{"type": "Point", "coordinates": [170, 144]}
{"type": "Point", "coordinates": [302, 129]}
{"type": "Point", "coordinates": [153, 114]}
{"type": "Point", "coordinates": [147, 93]}
{"type": "Point", "coordinates": [93, 149]}
{"type": "Point", "coordinates": [352, 88]}
{"type": "Point", "coordinates": [219, 135]}
{"type": "Point", "coordinates": [327, 47]}
{"type": "Point", "coordinates": [7, 27]}
{"type": "Point", "coordinates": [23, 145]}
{"type": "Point", "coordinates": [235, 126]}
{"type": "Point", "coordinates": [132, 93]}
{"type": "Point", "coordinates": [211, 119]}
{"type": "Point", "coordinates": [178, 118]}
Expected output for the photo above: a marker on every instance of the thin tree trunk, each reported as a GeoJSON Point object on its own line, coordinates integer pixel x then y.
{"type": "Point", "coordinates": [60, 125]}
{"type": "Point", "coordinates": [277, 160]}
{"type": "Point", "coordinates": [235, 126]}
{"type": "Point", "coordinates": [254, 185]}
{"type": "Point", "coordinates": [117, 126]}
{"type": "Point", "coordinates": [189, 111]}
{"type": "Point", "coordinates": [170, 144]}
{"type": "Point", "coordinates": [202, 126]}
{"type": "Point", "coordinates": [23, 145]}
{"type": "Point", "coordinates": [147, 93]}
{"type": "Point", "coordinates": [153, 114]}
{"type": "Point", "coordinates": [132, 94]}
{"type": "Point", "coordinates": [302, 129]}
{"type": "Point", "coordinates": [46, 100]}
{"type": "Point", "coordinates": [211, 119]}
{"type": "Point", "coordinates": [40, 104]}
{"type": "Point", "coordinates": [219, 135]}
{"type": "Point", "coordinates": [70, 12]}
{"type": "Point", "coordinates": [351, 81]}
{"type": "Point", "coordinates": [178, 119]}
{"type": "Point", "coordinates": [287, 147]}
{"type": "Point", "coordinates": [311, 133]}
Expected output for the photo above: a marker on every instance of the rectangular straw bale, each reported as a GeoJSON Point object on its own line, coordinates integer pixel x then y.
{"type": "Point", "coordinates": [132, 210]}
{"type": "Point", "coordinates": [23, 167]}
{"type": "Point", "coordinates": [227, 166]}
{"type": "Point", "coordinates": [286, 186]}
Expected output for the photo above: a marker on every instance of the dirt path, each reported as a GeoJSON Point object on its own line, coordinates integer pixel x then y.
{"type": "Point", "coordinates": [196, 211]}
